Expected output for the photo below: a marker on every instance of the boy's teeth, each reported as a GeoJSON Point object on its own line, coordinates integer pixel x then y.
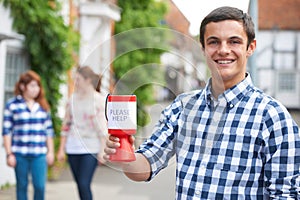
{"type": "Point", "coordinates": [224, 61]}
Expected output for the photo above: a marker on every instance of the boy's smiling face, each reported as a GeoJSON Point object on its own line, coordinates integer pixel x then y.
{"type": "Point", "coordinates": [226, 51]}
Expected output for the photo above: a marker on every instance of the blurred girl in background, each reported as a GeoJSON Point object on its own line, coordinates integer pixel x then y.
{"type": "Point", "coordinates": [28, 135]}
{"type": "Point", "coordinates": [84, 130]}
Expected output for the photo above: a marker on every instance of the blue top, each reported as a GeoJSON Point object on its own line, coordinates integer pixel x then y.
{"type": "Point", "coordinates": [245, 145]}
{"type": "Point", "coordinates": [29, 128]}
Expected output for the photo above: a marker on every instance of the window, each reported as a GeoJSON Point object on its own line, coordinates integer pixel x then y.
{"type": "Point", "coordinates": [16, 64]}
{"type": "Point", "coordinates": [287, 82]}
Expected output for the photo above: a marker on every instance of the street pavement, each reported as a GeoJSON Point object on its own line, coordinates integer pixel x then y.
{"type": "Point", "coordinates": [108, 184]}
{"type": "Point", "coordinates": [111, 184]}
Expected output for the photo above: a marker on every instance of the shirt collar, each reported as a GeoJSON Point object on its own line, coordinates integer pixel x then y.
{"type": "Point", "coordinates": [232, 95]}
{"type": "Point", "coordinates": [20, 98]}
{"type": "Point", "coordinates": [35, 107]}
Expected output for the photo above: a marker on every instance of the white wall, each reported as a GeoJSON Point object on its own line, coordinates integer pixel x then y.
{"type": "Point", "coordinates": [6, 21]}
{"type": "Point", "coordinates": [7, 174]}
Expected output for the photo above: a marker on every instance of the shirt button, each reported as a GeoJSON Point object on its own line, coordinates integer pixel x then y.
{"type": "Point", "coordinates": [197, 192]}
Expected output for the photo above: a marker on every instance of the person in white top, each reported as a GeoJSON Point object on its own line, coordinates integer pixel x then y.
{"type": "Point", "coordinates": [84, 130]}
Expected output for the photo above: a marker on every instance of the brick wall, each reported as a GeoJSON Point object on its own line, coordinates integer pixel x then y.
{"type": "Point", "coordinates": [283, 14]}
{"type": "Point", "coordinates": [176, 20]}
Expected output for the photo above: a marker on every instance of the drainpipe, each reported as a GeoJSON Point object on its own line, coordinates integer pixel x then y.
{"type": "Point", "coordinates": [253, 11]}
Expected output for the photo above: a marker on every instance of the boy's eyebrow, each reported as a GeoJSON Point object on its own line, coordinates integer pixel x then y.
{"type": "Point", "coordinates": [236, 37]}
{"type": "Point", "coordinates": [216, 38]}
{"type": "Point", "coordinates": [212, 38]}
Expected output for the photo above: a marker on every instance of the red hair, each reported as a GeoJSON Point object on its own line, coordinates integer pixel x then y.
{"type": "Point", "coordinates": [25, 79]}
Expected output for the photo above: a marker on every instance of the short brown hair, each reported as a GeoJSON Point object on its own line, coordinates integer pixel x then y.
{"type": "Point", "coordinates": [228, 13]}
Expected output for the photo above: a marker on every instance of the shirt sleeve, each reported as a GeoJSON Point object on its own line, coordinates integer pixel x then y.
{"type": "Point", "coordinates": [67, 121]}
{"type": "Point", "coordinates": [49, 126]}
{"type": "Point", "coordinates": [159, 148]}
{"type": "Point", "coordinates": [100, 116]}
{"type": "Point", "coordinates": [282, 154]}
{"type": "Point", "coordinates": [7, 121]}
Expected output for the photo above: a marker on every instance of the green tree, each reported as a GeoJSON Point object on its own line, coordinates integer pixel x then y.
{"type": "Point", "coordinates": [50, 43]}
{"type": "Point", "coordinates": [137, 48]}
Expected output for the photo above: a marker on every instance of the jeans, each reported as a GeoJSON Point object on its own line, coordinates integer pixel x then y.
{"type": "Point", "coordinates": [37, 167]}
{"type": "Point", "coordinates": [83, 167]}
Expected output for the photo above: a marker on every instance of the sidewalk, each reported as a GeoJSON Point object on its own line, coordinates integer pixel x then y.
{"type": "Point", "coordinates": [108, 184]}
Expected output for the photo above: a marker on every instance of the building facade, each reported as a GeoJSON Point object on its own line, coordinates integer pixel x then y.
{"type": "Point", "coordinates": [13, 61]}
{"type": "Point", "coordinates": [277, 54]}
{"type": "Point", "coordinates": [184, 65]}
{"type": "Point", "coordinates": [95, 20]}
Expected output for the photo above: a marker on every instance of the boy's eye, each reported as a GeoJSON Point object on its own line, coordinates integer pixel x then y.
{"type": "Point", "coordinates": [213, 42]}
{"type": "Point", "coordinates": [235, 42]}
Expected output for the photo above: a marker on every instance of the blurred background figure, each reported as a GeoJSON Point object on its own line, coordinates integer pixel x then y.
{"type": "Point", "coordinates": [84, 129]}
{"type": "Point", "coordinates": [28, 135]}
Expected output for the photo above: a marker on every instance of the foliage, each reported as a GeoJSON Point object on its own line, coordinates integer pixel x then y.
{"type": "Point", "coordinates": [50, 43]}
{"type": "Point", "coordinates": [139, 14]}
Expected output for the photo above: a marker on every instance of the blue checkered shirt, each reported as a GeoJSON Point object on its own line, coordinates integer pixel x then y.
{"type": "Point", "coordinates": [245, 145]}
{"type": "Point", "coordinates": [29, 129]}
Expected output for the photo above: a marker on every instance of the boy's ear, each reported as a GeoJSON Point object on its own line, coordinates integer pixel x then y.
{"type": "Point", "coordinates": [202, 49]}
{"type": "Point", "coordinates": [251, 48]}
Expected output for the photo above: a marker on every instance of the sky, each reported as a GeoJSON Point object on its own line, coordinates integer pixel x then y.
{"type": "Point", "coordinates": [196, 10]}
